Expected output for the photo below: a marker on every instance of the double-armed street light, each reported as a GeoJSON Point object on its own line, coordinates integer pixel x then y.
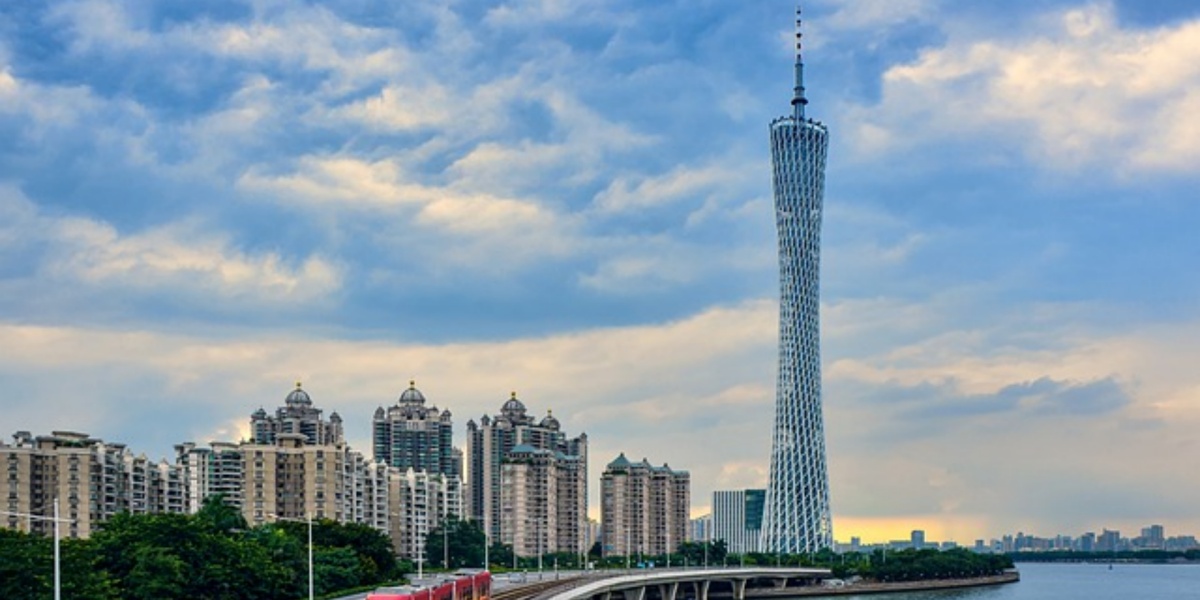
{"type": "Point", "coordinates": [57, 556]}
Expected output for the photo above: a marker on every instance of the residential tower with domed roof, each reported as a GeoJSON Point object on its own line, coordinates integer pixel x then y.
{"type": "Point", "coordinates": [411, 435]}
{"type": "Point", "coordinates": [296, 416]}
{"type": "Point", "coordinates": [527, 481]}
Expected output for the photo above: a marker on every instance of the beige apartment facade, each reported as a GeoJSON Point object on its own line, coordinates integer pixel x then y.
{"type": "Point", "coordinates": [644, 510]}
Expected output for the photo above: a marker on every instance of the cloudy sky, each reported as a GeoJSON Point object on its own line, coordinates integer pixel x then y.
{"type": "Point", "coordinates": [204, 202]}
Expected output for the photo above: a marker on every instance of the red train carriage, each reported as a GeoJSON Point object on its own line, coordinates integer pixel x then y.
{"type": "Point", "coordinates": [463, 585]}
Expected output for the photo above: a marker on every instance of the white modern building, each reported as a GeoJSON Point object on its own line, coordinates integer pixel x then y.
{"type": "Point", "coordinates": [737, 519]}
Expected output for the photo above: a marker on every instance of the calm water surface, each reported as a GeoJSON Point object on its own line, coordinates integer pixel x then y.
{"type": "Point", "coordinates": [1090, 581]}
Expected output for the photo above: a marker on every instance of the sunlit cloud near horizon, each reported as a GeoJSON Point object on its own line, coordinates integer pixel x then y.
{"type": "Point", "coordinates": [203, 203]}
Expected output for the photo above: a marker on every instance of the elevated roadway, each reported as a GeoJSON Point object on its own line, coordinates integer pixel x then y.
{"type": "Point", "coordinates": [693, 584]}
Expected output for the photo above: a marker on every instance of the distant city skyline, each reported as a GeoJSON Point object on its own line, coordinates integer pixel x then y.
{"type": "Point", "coordinates": [202, 203]}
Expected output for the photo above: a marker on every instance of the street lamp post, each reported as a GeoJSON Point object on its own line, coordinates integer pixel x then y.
{"type": "Point", "coordinates": [311, 581]}
{"type": "Point", "coordinates": [307, 519]}
{"type": "Point", "coordinates": [57, 555]}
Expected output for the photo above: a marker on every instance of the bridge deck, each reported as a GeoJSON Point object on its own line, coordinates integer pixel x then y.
{"type": "Point", "coordinates": [707, 584]}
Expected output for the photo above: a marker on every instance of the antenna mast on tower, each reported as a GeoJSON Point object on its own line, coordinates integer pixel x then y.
{"type": "Point", "coordinates": [798, 99]}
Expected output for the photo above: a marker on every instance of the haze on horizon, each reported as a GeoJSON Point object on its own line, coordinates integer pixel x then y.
{"type": "Point", "coordinates": [201, 203]}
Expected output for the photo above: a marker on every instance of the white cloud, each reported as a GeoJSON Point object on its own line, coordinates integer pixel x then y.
{"type": "Point", "coordinates": [874, 14]}
{"type": "Point", "coordinates": [654, 390]}
{"type": "Point", "coordinates": [643, 270]}
{"type": "Point", "coordinates": [401, 108]}
{"type": "Point", "coordinates": [49, 107]}
{"type": "Point", "coordinates": [523, 13]}
{"type": "Point", "coordinates": [631, 193]}
{"type": "Point", "coordinates": [1083, 91]}
{"type": "Point", "coordinates": [488, 230]}
{"type": "Point", "coordinates": [717, 361]}
{"type": "Point", "coordinates": [174, 258]}
{"type": "Point", "coordinates": [99, 25]}
{"type": "Point", "coordinates": [179, 257]}
{"type": "Point", "coordinates": [1028, 400]}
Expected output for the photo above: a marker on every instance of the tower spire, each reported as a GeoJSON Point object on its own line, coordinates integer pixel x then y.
{"type": "Point", "coordinates": [798, 99]}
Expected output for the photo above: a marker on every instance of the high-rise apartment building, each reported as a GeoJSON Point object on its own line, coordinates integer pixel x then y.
{"type": "Point", "coordinates": [489, 445]}
{"type": "Point", "coordinates": [541, 511]}
{"type": "Point", "coordinates": [1109, 541]}
{"type": "Point", "coordinates": [216, 470]}
{"type": "Point", "coordinates": [737, 519]}
{"type": "Point", "coordinates": [296, 416]}
{"type": "Point", "coordinates": [1152, 538]}
{"type": "Point", "coordinates": [416, 442]}
{"type": "Point", "coordinates": [422, 501]}
{"type": "Point", "coordinates": [291, 479]}
{"type": "Point", "coordinates": [797, 516]}
{"type": "Point", "coordinates": [153, 487]}
{"type": "Point", "coordinates": [91, 479]}
{"type": "Point", "coordinates": [411, 435]}
{"type": "Point", "coordinates": [643, 509]}
{"type": "Point", "coordinates": [701, 529]}
{"type": "Point", "coordinates": [298, 465]}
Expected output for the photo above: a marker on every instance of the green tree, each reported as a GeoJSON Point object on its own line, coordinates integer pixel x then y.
{"type": "Point", "coordinates": [82, 576]}
{"type": "Point", "coordinates": [155, 575]}
{"type": "Point", "coordinates": [465, 540]}
{"type": "Point", "coordinates": [375, 561]}
{"type": "Point", "coordinates": [697, 553]}
{"type": "Point", "coordinates": [337, 569]}
{"type": "Point", "coordinates": [216, 516]}
{"type": "Point", "coordinates": [500, 554]}
{"type": "Point", "coordinates": [216, 558]}
{"type": "Point", "coordinates": [25, 565]}
{"type": "Point", "coordinates": [366, 542]}
{"type": "Point", "coordinates": [209, 555]}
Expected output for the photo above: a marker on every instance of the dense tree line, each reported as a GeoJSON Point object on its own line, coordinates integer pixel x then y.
{"type": "Point", "coordinates": [1108, 556]}
{"type": "Point", "coordinates": [459, 541]}
{"type": "Point", "coordinates": [210, 555]}
{"type": "Point", "coordinates": [918, 565]}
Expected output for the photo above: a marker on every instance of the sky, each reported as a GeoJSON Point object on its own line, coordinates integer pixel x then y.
{"type": "Point", "coordinates": [202, 203]}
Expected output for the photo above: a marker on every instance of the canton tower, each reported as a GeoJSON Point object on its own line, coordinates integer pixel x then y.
{"type": "Point", "coordinates": [797, 516]}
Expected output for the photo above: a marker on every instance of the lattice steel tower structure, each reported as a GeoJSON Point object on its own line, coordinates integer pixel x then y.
{"type": "Point", "coordinates": [797, 517]}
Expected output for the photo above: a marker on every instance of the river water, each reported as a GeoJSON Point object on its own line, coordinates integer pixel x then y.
{"type": "Point", "coordinates": [1046, 581]}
